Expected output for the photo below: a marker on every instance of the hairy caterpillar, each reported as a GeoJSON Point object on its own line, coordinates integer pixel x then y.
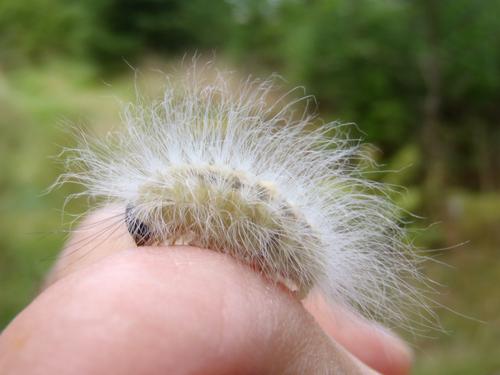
{"type": "Point", "coordinates": [233, 170]}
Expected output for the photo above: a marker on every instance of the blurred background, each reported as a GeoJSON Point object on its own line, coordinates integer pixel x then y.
{"type": "Point", "coordinates": [421, 79]}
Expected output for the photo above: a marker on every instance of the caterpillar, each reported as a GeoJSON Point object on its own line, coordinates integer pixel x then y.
{"type": "Point", "coordinates": [234, 168]}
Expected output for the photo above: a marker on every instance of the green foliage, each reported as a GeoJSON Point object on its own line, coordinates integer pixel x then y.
{"type": "Point", "coordinates": [108, 31]}
{"type": "Point", "coordinates": [358, 47]}
{"type": "Point", "coordinates": [32, 31]}
{"type": "Point", "coordinates": [128, 28]}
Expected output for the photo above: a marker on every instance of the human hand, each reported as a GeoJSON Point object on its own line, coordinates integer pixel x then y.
{"type": "Point", "coordinates": [112, 308]}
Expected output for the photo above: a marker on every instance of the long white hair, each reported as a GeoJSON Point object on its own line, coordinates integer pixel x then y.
{"type": "Point", "coordinates": [236, 169]}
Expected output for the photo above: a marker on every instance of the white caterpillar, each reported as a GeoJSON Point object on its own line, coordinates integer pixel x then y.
{"type": "Point", "coordinates": [229, 169]}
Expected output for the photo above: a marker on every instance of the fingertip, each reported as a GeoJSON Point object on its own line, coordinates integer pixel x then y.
{"type": "Point", "coordinates": [373, 344]}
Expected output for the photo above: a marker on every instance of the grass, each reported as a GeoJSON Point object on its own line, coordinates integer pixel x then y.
{"type": "Point", "coordinates": [36, 103]}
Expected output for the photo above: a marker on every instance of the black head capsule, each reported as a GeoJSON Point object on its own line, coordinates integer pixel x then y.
{"type": "Point", "coordinates": [138, 230]}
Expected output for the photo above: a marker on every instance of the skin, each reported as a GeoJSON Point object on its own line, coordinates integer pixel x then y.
{"type": "Point", "coordinates": [182, 310]}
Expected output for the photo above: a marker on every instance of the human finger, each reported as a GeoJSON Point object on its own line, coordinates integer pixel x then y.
{"type": "Point", "coordinates": [179, 310]}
